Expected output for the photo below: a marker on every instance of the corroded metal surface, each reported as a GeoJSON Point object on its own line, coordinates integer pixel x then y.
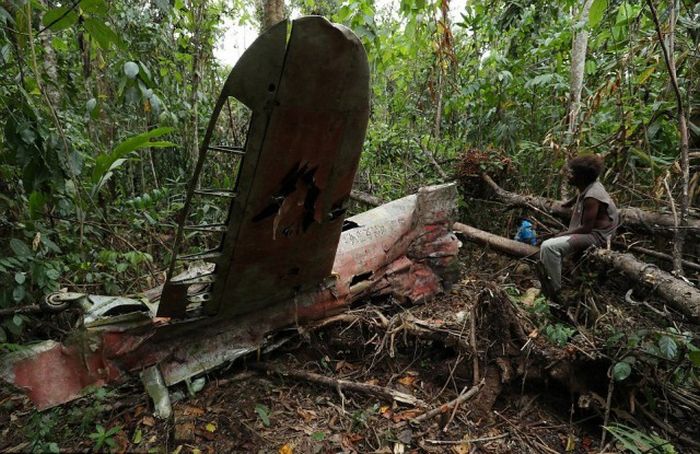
{"type": "Point", "coordinates": [310, 104]}
{"type": "Point", "coordinates": [404, 248]}
{"type": "Point", "coordinates": [283, 259]}
{"type": "Point", "coordinates": [295, 193]}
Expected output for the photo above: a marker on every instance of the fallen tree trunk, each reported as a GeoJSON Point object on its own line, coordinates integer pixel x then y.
{"type": "Point", "coordinates": [680, 295]}
{"type": "Point", "coordinates": [633, 218]}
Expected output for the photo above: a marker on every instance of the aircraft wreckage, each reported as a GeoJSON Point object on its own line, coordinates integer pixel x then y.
{"type": "Point", "coordinates": [286, 254]}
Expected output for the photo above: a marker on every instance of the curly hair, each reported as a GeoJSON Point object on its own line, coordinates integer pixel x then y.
{"type": "Point", "coordinates": [587, 167]}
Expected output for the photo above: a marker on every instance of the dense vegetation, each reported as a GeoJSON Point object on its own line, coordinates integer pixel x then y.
{"type": "Point", "coordinates": [103, 104]}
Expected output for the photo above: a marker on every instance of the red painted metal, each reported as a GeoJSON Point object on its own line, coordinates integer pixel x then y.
{"type": "Point", "coordinates": [404, 248]}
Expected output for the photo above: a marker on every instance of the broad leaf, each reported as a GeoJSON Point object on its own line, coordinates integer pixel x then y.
{"type": "Point", "coordinates": [104, 35]}
{"type": "Point", "coordinates": [106, 164]}
{"type": "Point", "coordinates": [60, 18]}
{"type": "Point", "coordinates": [19, 248]}
{"type": "Point", "coordinates": [595, 15]}
{"type": "Point", "coordinates": [668, 347]}
{"type": "Point", "coordinates": [621, 371]}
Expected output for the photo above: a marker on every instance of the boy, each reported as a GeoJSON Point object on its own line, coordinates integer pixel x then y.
{"type": "Point", "coordinates": [593, 222]}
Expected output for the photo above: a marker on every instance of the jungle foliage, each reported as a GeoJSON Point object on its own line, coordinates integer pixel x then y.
{"type": "Point", "coordinates": [103, 103]}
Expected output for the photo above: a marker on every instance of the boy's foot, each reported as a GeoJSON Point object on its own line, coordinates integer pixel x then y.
{"type": "Point", "coordinates": [546, 283]}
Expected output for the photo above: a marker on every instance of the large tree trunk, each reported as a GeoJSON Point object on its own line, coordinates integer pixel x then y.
{"type": "Point", "coordinates": [681, 296]}
{"type": "Point", "coordinates": [273, 12]}
{"type": "Point", "coordinates": [633, 218]}
{"type": "Point", "coordinates": [578, 65]}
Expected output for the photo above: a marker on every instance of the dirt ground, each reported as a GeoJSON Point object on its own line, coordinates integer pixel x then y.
{"type": "Point", "coordinates": [539, 393]}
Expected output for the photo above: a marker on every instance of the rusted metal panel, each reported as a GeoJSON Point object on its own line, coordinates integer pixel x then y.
{"type": "Point", "coordinates": [310, 103]}
{"type": "Point", "coordinates": [401, 248]}
{"type": "Point", "coordinates": [296, 194]}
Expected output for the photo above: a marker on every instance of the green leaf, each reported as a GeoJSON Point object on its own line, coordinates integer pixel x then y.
{"type": "Point", "coordinates": [104, 35]}
{"type": "Point", "coordinates": [19, 248]}
{"type": "Point", "coordinates": [596, 13]}
{"type": "Point", "coordinates": [17, 320]}
{"type": "Point", "coordinates": [694, 358]}
{"type": "Point", "coordinates": [318, 436]}
{"type": "Point", "coordinates": [60, 18]}
{"type": "Point", "coordinates": [645, 75]}
{"type": "Point", "coordinates": [93, 6]}
{"type": "Point", "coordinates": [105, 164]}
{"type": "Point", "coordinates": [18, 294]}
{"type": "Point", "coordinates": [37, 200]}
{"type": "Point", "coordinates": [621, 371]}
{"type": "Point", "coordinates": [20, 278]}
{"type": "Point", "coordinates": [131, 69]}
{"type": "Point", "coordinates": [263, 412]}
{"type": "Point", "coordinates": [668, 347]}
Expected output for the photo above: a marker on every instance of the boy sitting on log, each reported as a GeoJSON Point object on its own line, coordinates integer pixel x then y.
{"type": "Point", "coordinates": [594, 220]}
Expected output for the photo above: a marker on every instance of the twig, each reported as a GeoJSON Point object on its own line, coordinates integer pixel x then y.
{"type": "Point", "coordinates": [667, 427]}
{"type": "Point", "coordinates": [340, 384]}
{"type": "Point", "coordinates": [670, 198]}
{"type": "Point", "coordinates": [435, 164]}
{"type": "Point", "coordinates": [472, 338]}
{"type": "Point", "coordinates": [470, 440]}
{"type": "Point", "coordinates": [29, 309]}
{"type": "Point", "coordinates": [454, 411]}
{"type": "Point", "coordinates": [445, 407]}
{"type": "Point", "coordinates": [608, 402]}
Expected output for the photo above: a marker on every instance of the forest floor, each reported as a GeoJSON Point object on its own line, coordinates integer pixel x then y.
{"type": "Point", "coordinates": [540, 393]}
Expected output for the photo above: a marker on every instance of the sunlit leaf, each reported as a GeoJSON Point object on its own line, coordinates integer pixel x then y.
{"type": "Point", "coordinates": [597, 12]}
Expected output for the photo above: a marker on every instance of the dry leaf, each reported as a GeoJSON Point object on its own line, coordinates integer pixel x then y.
{"type": "Point", "coordinates": [308, 415]}
{"type": "Point", "coordinates": [408, 380]}
{"type": "Point", "coordinates": [193, 411]}
{"type": "Point", "coordinates": [406, 415]}
{"type": "Point", "coordinates": [148, 421]}
{"type": "Point", "coordinates": [570, 443]}
{"type": "Point", "coordinates": [462, 448]}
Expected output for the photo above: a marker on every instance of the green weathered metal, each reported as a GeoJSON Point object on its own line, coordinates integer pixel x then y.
{"type": "Point", "coordinates": [310, 105]}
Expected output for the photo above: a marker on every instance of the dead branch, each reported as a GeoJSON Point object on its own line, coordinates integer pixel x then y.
{"type": "Point", "coordinates": [29, 309]}
{"type": "Point", "coordinates": [498, 243]}
{"type": "Point", "coordinates": [435, 164]}
{"type": "Point", "coordinates": [340, 384]}
{"type": "Point", "coordinates": [365, 198]}
{"type": "Point", "coordinates": [659, 255]}
{"type": "Point", "coordinates": [444, 408]}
